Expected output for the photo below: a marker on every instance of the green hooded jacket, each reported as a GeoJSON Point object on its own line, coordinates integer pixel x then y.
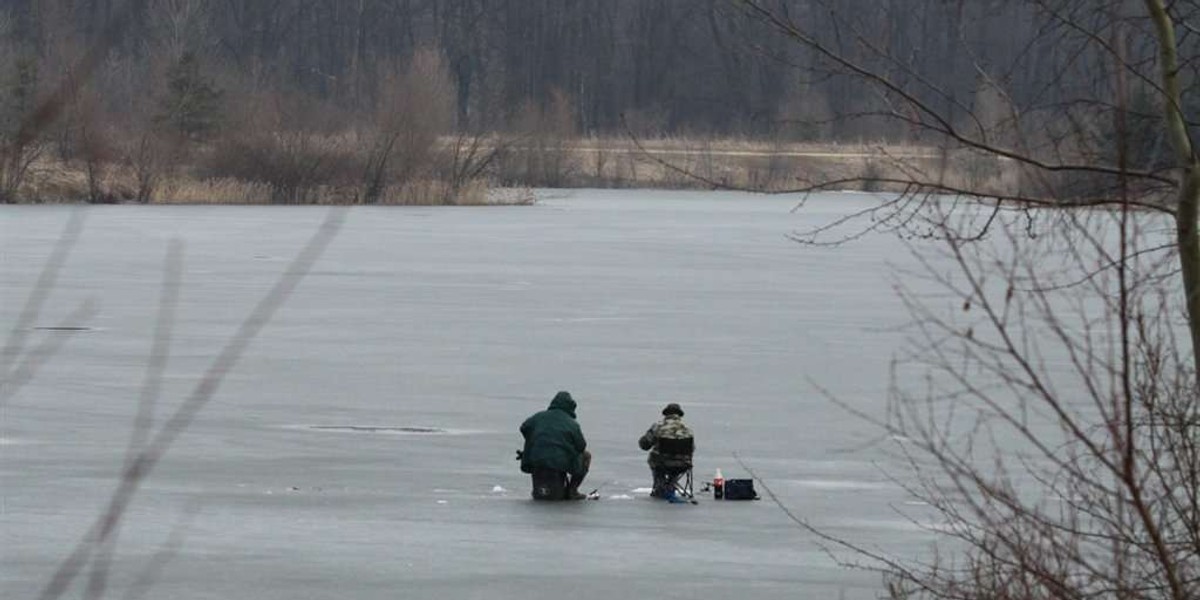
{"type": "Point", "coordinates": [553, 439]}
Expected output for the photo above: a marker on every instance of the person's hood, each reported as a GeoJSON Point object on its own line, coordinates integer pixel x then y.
{"type": "Point", "coordinates": [564, 402]}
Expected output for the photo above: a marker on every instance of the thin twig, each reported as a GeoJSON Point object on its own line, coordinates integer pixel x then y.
{"type": "Point", "coordinates": [160, 443]}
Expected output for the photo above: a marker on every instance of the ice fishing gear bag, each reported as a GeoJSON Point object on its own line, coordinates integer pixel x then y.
{"type": "Point", "coordinates": [740, 489]}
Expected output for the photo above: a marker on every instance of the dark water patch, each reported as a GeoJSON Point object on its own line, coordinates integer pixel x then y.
{"type": "Point", "coordinates": [67, 328]}
{"type": "Point", "coordinates": [379, 429]}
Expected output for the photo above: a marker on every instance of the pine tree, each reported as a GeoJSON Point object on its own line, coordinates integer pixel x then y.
{"type": "Point", "coordinates": [18, 98]}
{"type": "Point", "coordinates": [192, 105]}
{"type": "Point", "coordinates": [17, 149]}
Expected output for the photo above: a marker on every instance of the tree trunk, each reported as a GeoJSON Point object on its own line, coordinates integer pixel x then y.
{"type": "Point", "coordinates": [1185, 211]}
{"type": "Point", "coordinates": [1188, 202]}
{"type": "Point", "coordinates": [1189, 253]}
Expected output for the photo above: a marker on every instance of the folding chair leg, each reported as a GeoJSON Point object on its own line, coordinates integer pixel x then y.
{"type": "Point", "coordinates": [683, 484]}
{"type": "Point", "coordinates": [678, 482]}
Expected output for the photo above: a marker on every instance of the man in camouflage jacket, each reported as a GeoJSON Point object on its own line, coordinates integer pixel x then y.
{"type": "Point", "coordinates": [666, 468]}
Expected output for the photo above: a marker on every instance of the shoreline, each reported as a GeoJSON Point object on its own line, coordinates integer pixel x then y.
{"type": "Point", "coordinates": [516, 166]}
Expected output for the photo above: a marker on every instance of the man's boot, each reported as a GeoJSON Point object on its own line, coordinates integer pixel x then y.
{"type": "Point", "coordinates": [573, 494]}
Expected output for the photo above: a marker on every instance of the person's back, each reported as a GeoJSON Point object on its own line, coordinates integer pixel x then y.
{"type": "Point", "coordinates": [671, 445]}
{"type": "Point", "coordinates": [555, 452]}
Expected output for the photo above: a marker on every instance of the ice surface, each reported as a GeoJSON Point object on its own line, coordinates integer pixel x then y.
{"type": "Point", "coordinates": [457, 323]}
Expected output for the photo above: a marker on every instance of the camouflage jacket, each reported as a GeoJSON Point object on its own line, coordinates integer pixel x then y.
{"type": "Point", "coordinates": [671, 427]}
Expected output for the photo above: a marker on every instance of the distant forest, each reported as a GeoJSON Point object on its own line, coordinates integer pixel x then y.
{"type": "Point", "coordinates": [205, 70]}
{"type": "Point", "coordinates": [674, 66]}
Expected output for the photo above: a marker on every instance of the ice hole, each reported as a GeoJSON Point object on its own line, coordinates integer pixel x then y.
{"type": "Point", "coordinates": [379, 429]}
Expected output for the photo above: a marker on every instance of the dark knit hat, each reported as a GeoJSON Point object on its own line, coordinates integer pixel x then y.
{"type": "Point", "coordinates": [673, 409]}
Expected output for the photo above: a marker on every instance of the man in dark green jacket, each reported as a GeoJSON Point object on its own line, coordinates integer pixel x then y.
{"type": "Point", "coordinates": [555, 453]}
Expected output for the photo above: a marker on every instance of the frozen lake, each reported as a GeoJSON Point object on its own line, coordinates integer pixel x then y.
{"type": "Point", "coordinates": [465, 320]}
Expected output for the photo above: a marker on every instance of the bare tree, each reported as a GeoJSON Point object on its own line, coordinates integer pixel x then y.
{"type": "Point", "coordinates": [150, 154]}
{"type": "Point", "coordinates": [1057, 145]}
{"type": "Point", "coordinates": [178, 26]}
{"type": "Point", "coordinates": [96, 149]}
{"type": "Point", "coordinates": [288, 143]}
{"type": "Point", "coordinates": [415, 108]}
{"type": "Point", "coordinates": [1186, 162]}
{"type": "Point", "coordinates": [1057, 442]}
{"type": "Point", "coordinates": [467, 158]}
{"type": "Point", "coordinates": [17, 152]}
{"type": "Point", "coordinates": [1058, 433]}
{"type": "Point", "coordinates": [542, 154]}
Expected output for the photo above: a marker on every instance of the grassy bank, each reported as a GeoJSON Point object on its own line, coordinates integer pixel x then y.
{"type": "Point", "coordinates": [337, 169]}
{"type": "Point", "coordinates": [683, 163]}
{"type": "Point", "coordinates": [50, 181]}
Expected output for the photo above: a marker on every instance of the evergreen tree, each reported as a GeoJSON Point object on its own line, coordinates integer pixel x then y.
{"type": "Point", "coordinates": [19, 94]}
{"type": "Point", "coordinates": [192, 105]}
{"type": "Point", "coordinates": [17, 151]}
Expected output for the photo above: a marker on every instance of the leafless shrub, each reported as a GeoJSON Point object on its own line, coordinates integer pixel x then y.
{"type": "Point", "coordinates": [540, 156]}
{"type": "Point", "coordinates": [146, 141]}
{"type": "Point", "coordinates": [151, 156]}
{"type": "Point", "coordinates": [267, 147]}
{"type": "Point", "coordinates": [96, 149]}
{"type": "Point", "coordinates": [466, 161]}
{"type": "Point", "coordinates": [16, 157]}
{"type": "Point", "coordinates": [415, 107]}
